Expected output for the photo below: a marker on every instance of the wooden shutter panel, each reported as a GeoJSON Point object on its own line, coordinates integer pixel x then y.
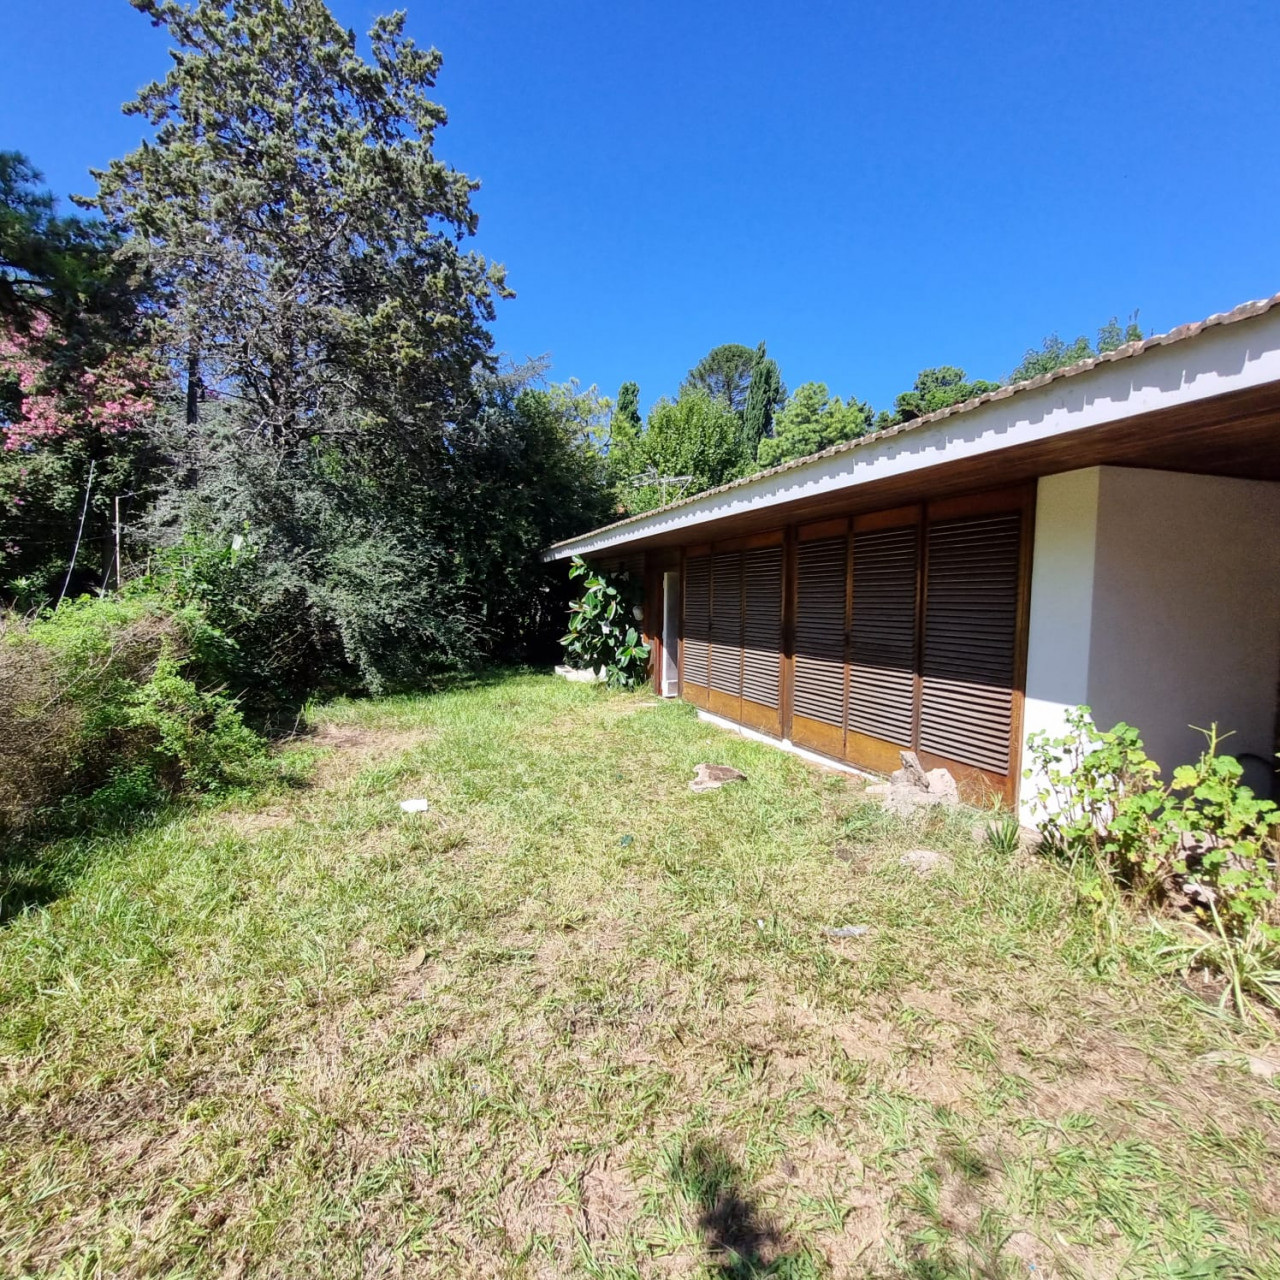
{"type": "Point", "coordinates": [726, 624]}
{"type": "Point", "coordinates": [970, 639]}
{"type": "Point", "coordinates": [820, 607]}
{"type": "Point", "coordinates": [882, 637]}
{"type": "Point", "coordinates": [695, 651]}
{"type": "Point", "coordinates": [762, 625]}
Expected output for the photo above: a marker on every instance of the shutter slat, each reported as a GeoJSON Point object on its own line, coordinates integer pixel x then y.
{"type": "Point", "coordinates": [820, 634]}
{"type": "Point", "coordinates": [697, 620]}
{"type": "Point", "coordinates": [882, 637]}
{"type": "Point", "coordinates": [970, 634]}
{"type": "Point", "coordinates": [726, 623]}
{"type": "Point", "coordinates": [762, 625]}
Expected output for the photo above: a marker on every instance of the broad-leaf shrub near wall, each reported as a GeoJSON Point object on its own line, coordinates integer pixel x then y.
{"type": "Point", "coordinates": [602, 627]}
{"type": "Point", "coordinates": [1203, 841]}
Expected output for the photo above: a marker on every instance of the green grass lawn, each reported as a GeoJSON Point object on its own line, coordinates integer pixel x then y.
{"type": "Point", "coordinates": [577, 1020]}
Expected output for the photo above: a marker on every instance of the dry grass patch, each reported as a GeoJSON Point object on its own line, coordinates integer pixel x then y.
{"type": "Point", "coordinates": [579, 1021]}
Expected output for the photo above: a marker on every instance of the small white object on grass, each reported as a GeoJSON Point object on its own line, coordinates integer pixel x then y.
{"type": "Point", "coordinates": [415, 806]}
{"type": "Point", "coordinates": [846, 931]}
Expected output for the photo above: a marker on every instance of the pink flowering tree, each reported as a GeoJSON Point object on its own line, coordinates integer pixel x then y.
{"type": "Point", "coordinates": [71, 440]}
{"type": "Point", "coordinates": [47, 403]}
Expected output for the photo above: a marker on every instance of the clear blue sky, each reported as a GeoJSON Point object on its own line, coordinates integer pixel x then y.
{"type": "Point", "coordinates": [870, 187]}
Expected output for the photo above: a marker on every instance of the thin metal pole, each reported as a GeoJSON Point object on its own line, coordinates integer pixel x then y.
{"type": "Point", "coordinates": [119, 581]}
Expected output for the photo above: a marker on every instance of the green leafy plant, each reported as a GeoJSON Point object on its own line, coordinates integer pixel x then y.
{"type": "Point", "coordinates": [1098, 801]}
{"type": "Point", "coordinates": [1204, 841]}
{"type": "Point", "coordinates": [194, 737]}
{"type": "Point", "coordinates": [602, 627]}
{"type": "Point", "coordinates": [1004, 833]}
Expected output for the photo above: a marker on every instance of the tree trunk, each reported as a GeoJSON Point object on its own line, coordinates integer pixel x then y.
{"type": "Point", "coordinates": [193, 384]}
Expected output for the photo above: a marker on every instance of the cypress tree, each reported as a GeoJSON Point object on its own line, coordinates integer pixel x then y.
{"type": "Point", "coordinates": [764, 394]}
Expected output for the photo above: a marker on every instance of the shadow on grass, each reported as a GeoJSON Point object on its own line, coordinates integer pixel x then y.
{"type": "Point", "coordinates": [43, 864]}
{"type": "Point", "coordinates": [742, 1242]}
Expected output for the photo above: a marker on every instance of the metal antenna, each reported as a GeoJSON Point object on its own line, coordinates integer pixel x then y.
{"type": "Point", "coordinates": [651, 477]}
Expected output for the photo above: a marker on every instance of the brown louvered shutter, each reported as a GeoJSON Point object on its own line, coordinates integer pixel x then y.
{"type": "Point", "coordinates": [726, 623]}
{"type": "Point", "coordinates": [882, 636]}
{"type": "Point", "coordinates": [970, 639]}
{"type": "Point", "coordinates": [820, 608]}
{"type": "Point", "coordinates": [762, 625]}
{"type": "Point", "coordinates": [697, 620]}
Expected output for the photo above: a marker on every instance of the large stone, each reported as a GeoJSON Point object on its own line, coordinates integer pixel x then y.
{"type": "Point", "coordinates": [911, 788]}
{"type": "Point", "coordinates": [707, 777]}
{"type": "Point", "coordinates": [924, 862]}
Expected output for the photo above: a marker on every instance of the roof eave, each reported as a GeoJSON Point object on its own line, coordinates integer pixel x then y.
{"type": "Point", "coordinates": [1040, 404]}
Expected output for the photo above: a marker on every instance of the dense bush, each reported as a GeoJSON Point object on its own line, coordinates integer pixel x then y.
{"type": "Point", "coordinates": [378, 567]}
{"type": "Point", "coordinates": [1203, 841]}
{"type": "Point", "coordinates": [103, 699]}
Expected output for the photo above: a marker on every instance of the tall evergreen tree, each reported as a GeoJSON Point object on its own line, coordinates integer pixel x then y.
{"type": "Point", "coordinates": [309, 236]}
{"type": "Point", "coordinates": [765, 393]}
{"type": "Point", "coordinates": [625, 428]}
{"type": "Point", "coordinates": [724, 373]}
{"type": "Point", "coordinates": [627, 423]}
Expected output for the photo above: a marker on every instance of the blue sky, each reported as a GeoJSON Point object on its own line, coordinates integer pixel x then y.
{"type": "Point", "coordinates": [871, 188]}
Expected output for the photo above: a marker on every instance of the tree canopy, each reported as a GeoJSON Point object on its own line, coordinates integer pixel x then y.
{"type": "Point", "coordinates": [810, 421]}
{"type": "Point", "coordinates": [938, 388]}
{"type": "Point", "coordinates": [724, 373]}
{"type": "Point", "coordinates": [307, 234]}
{"type": "Point", "coordinates": [689, 444]}
{"type": "Point", "coordinates": [1054, 353]}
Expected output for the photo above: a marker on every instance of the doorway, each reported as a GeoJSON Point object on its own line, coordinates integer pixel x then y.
{"type": "Point", "coordinates": [671, 634]}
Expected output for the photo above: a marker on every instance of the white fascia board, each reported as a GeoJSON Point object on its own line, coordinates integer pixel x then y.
{"type": "Point", "coordinates": [1214, 362]}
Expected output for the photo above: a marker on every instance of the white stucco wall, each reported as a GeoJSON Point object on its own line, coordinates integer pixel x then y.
{"type": "Point", "coordinates": [1155, 599]}
{"type": "Point", "coordinates": [1062, 570]}
{"type": "Point", "coordinates": [1186, 610]}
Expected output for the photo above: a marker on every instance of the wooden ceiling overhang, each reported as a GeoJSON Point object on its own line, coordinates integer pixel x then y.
{"type": "Point", "coordinates": [1237, 434]}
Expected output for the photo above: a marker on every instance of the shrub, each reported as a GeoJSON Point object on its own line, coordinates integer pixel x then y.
{"type": "Point", "coordinates": [99, 697]}
{"type": "Point", "coordinates": [189, 737]}
{"type": "Point", "coordinates": [1203, 841]}
{"type": "Point", "coordinates": [602, 631]}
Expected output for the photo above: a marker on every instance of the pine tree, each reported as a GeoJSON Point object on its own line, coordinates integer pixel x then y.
{"type": "Point", "coordinates": [308, 235]}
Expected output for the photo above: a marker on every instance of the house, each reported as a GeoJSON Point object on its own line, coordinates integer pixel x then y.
{"type": "Point", "coordinates": [1107, 534]}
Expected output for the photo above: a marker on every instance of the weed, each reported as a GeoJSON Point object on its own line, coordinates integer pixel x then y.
{"type": "Point", "coordinates": [1004, 834]}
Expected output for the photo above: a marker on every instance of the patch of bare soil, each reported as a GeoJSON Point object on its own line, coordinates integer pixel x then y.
{"type": "Point", "coordinates": [349, 749]}
{"type": "Point", "coordinates": [252, 823]}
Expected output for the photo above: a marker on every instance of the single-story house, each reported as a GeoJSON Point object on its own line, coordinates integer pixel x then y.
{"type": "Point", "coordinates": [1107, 534]}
